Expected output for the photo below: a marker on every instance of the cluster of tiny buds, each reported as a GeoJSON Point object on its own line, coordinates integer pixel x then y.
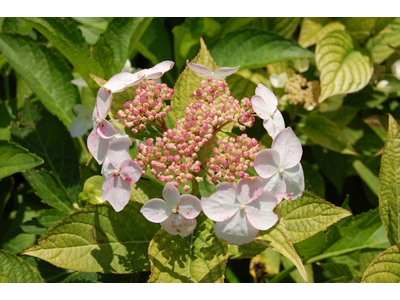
{"type": "Point", "coordinates": [233, 157]}
{"type": "Point", "coordinates": [147, 106]}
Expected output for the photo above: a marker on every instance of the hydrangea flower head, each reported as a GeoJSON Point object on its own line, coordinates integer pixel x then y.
{"type": "Point", "coordinates": [205, 72]}
{"type": "Point", "coordinates": [280, 166]}
{"type": "Point", "coordinates": [120, 171]}
{"type": "Point", "coordinates": [177, 213]}
{"type": "Point", "coordinates": [265, 105]}
{"type": "Point", "coordinates": [241, 211]}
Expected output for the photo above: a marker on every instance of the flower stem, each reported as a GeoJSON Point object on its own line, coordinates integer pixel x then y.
{"type": "Point", "coordinates": [195, 187]}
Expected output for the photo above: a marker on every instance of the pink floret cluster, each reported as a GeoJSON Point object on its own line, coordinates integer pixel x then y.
{"type": "Point", "coordinates": [147, 106]}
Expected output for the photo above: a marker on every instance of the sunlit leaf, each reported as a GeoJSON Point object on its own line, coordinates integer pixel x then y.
{"type": "Point", "coordinates": [15, 270]}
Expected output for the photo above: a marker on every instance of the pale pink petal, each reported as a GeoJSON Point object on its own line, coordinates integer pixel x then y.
{"type": "Point", "coordinates": [118, 151]}
{"type": "Point", "coordinates": [267, 163]}
{"type": "Point", "coordinates": [275, 124]}
{"type": "Point", "coordinates": [171, 195]}
{"type": "Point", "coordinates": [176, 224]}
{"type": "Point", "coordinates": [222, 73]}
{"type": "Point", "coordinates": [200, 70]}
{"type": "Point", "coordinates": [82, 111]}
{"type": "Point", "coordinates": [221, 205]}
{"type": "Point", "coordinates": [96, 116]}
{"type": "Point", "coordinates": [130, 171]}
{"type": "Point", "coordinates": [117, 192]}
{"type": "Point", "coordinates": [260, 212]}
{"type": "Point", "coordinates": [156, 210]}
{"type": "Point", "coordinates": [249, 189]}
{"type": "Point", "coordinates": [289, 148]}
{"type": "Point", "coordinates": [105, 130]}
{"type": "Point", "coordinates": [236, 230]}
{"type": "Point", "coordinates": [276, 185]}
{"type": "Point", "coordinates": [260, 107]}
{"type": "Point", "coordinates": [122, 81]}
{"type": "Point", "coordinates": [189, 206]}
{"type": "Point", "coordinates": [104, 101]}
{"type": "Point", "coordinates": [97, 146]}
{"type": "Point", "coordinates": [79, 126]}
{"type": "Point", "coordinates": [107, 169]}
{"type": "Point", "coordinates": [268, 96]}
{"type": "Point", "coordinates": [294, 179]}
{"type": "Point", "coordinates": [158, 70]}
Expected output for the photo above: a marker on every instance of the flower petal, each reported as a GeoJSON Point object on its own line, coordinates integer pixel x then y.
{"type": "Point", "coordinates": [159, 69]}
{"type": "Point", "coordinates": [268, 96]}
{"type": "Point", "coordinates": [236, 230]}
{"type": "Point", "coordinates": [79, 126]}
{"type": "Point", "coordinates": [200, 70]}
{"type": "Point", "coordinates": [171, 195]}
{"type": "Point", "coordinates": [82, 111]}
{"type": "Point", "coordinates": [221, 205]}
{"type": "Point", "coordinates": [79, 82]}
{"type": "Point", "coordinates": [130, 171]}
{"type": "Point", "coordinates": [249, 189]}
{"type": "Point", "coordinates": [118, 151]}
{"type": "Point", "coordinates": [121, 81]}
{"type": "Point", "coordinates": [260, 212]}
{"type": "Point", "coordinates": [176, 224]}
{"type": "Point", "coordinates": [294, 179]}
{"type": "Point", "coordinates": [106, 130]}
{"type": "Point", "coordinates": [156, 210]}
{"type": "Point", "coordinates": [289, 148]}
{"type": "Point", "coordinates": [189, 206]}
{"type": "Point", "coordinates": [266, 163]}
{"type": "Point", "coordinates": [117, 192]}
{"type": "Point", "coordinates": [103, 101]}
{"type": "Point", "coordinates": [260, 107]}
{"type": "Point", "coordinates": [275, 124]}
{"type": "Point", "coordinates": [107, 169]}
{"type": "Point", "coordinates": [221, 73]}
{"type": "Point", "coordinates": [97, 146]}
{"type": "Point", "coordinates": [275, 185]}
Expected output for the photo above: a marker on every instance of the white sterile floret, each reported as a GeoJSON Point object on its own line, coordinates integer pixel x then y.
{"type": "Point", "coordinates": [383, 86]}
{"type": "Point", "coordinates": [203, 71]}
{"type": "Point", "coordinates": [82, 122]}
{"type": "Point", "coordinates": [241, 211]}
{"type": "Point", "coordinates": [280, 166]}
{"type": "Point", "coordinates": [265, 105]}
{"type": "Point", "coordinates": [177, 213]}
{"type": "Point", "coordinates": [396, 69]}
{"type": "Point", "coordinates": [278, 81]}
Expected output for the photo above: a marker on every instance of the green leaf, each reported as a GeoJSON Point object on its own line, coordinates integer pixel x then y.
{"type": "Point", "coordinates": [245, 251]}
{"type": "Point", "coordinates": [98, 239]}
{"type": "Point", "coordinates": [314, 29]}
{"type": "Point", "coordinates": [314, 181]}
{"type": "Point", "coordinates": [144, 190]}
{"type": "Point", "coordinates": [64, 34]}
{"type": "Point", "coordinates": [243, 83]}
{"type": "Point", "coordinates": [283, 26]}
{"type": "Point", "coordinates": [366, 98]}
{"type": "Point", "coordinates": [339, 270]}
{"type": "Point", "coordinates": [312, 246]}
{"type": "Point", "coordinates": [326, 133]}
{"type": "Point", "coordinates": [188, 82]}
{"type": "Point", "coordinates": [295, 274]}
{"type": "Point", "coordinates": [343, 67]}
{"type": "Point", "coordinates": [15, 270]}
{"type": "Point", "coordinates": [50, 190]}
{"type": "Point", "coordinates": [43, 222]}
{"type": "Point", "coordinates": [366, 175]}
{"type": "Point", "coordinates": [44, 73]}
{"type": "Point", "coordinates": [278, 239]}
{"type": "Point", "coordinates": [97, 23]}
{"type": "Point", "coordinates": [308, 215]}
{"type": "Point", "coordinates": [384, 268]}
{"type": "Point", "coordinates": [46, 136]}
{"type": "Point", "coordinates": [389, 180]}
{"type": "Point", "coordinates": [14, 159]}
{"type": "Point", "coordinates": [199, 257]}
{"type": "Point", "coordinates": [379, 45]}
{"type": "Point", "coordinates": [251, 48]}
{"type": "Point", "coordinates": [359, 27]}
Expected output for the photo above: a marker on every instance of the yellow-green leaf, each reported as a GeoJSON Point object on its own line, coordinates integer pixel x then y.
{"type": "Point", "coordinates": [314, 29]}
{"type": "Point", "coordinates": [379, 45]}
{"type": "Point", "coordinates": [343, 67]}
{"type": "Point", "coordinates": [15, 270]}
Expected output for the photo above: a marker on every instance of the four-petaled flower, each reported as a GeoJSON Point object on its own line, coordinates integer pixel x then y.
{"type": "Point", "coordinates": [176, 214]}
{"type": "Point", "coordinates": [280, 166]}
{"type": "Point", "coordinates": [265, 105]}
{"type": "Point", "coordinates": [241, 211]}
{"type": "Point", "coordinates": [205, 72]}
{"type": "Point", "coordinates": [120, 171]}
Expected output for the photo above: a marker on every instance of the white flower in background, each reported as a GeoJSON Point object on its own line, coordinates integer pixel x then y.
{"type": "Point", "coordinates": [280, 166]}
{"type": "Point", "coordinates": [265, 105]}
{"type": "Point", "coordinates": [203, 71]}
{"type": "Point", "coordinates": [80, 82]}
{"type": "Point", "coordinates": [396, 69]}
{"type": "Point", "coordinates": [82, 122]}
{"type": "Point", "coordinates": [383, 86]}
{"type": "Point", "coordinates": [278, 81]}
{"type": "Point", "coordinates": [302, 64]}
{"type": "Point", "coordinates": [177, 213]}
{"type": "Point", "coordinates": [241, 211]}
